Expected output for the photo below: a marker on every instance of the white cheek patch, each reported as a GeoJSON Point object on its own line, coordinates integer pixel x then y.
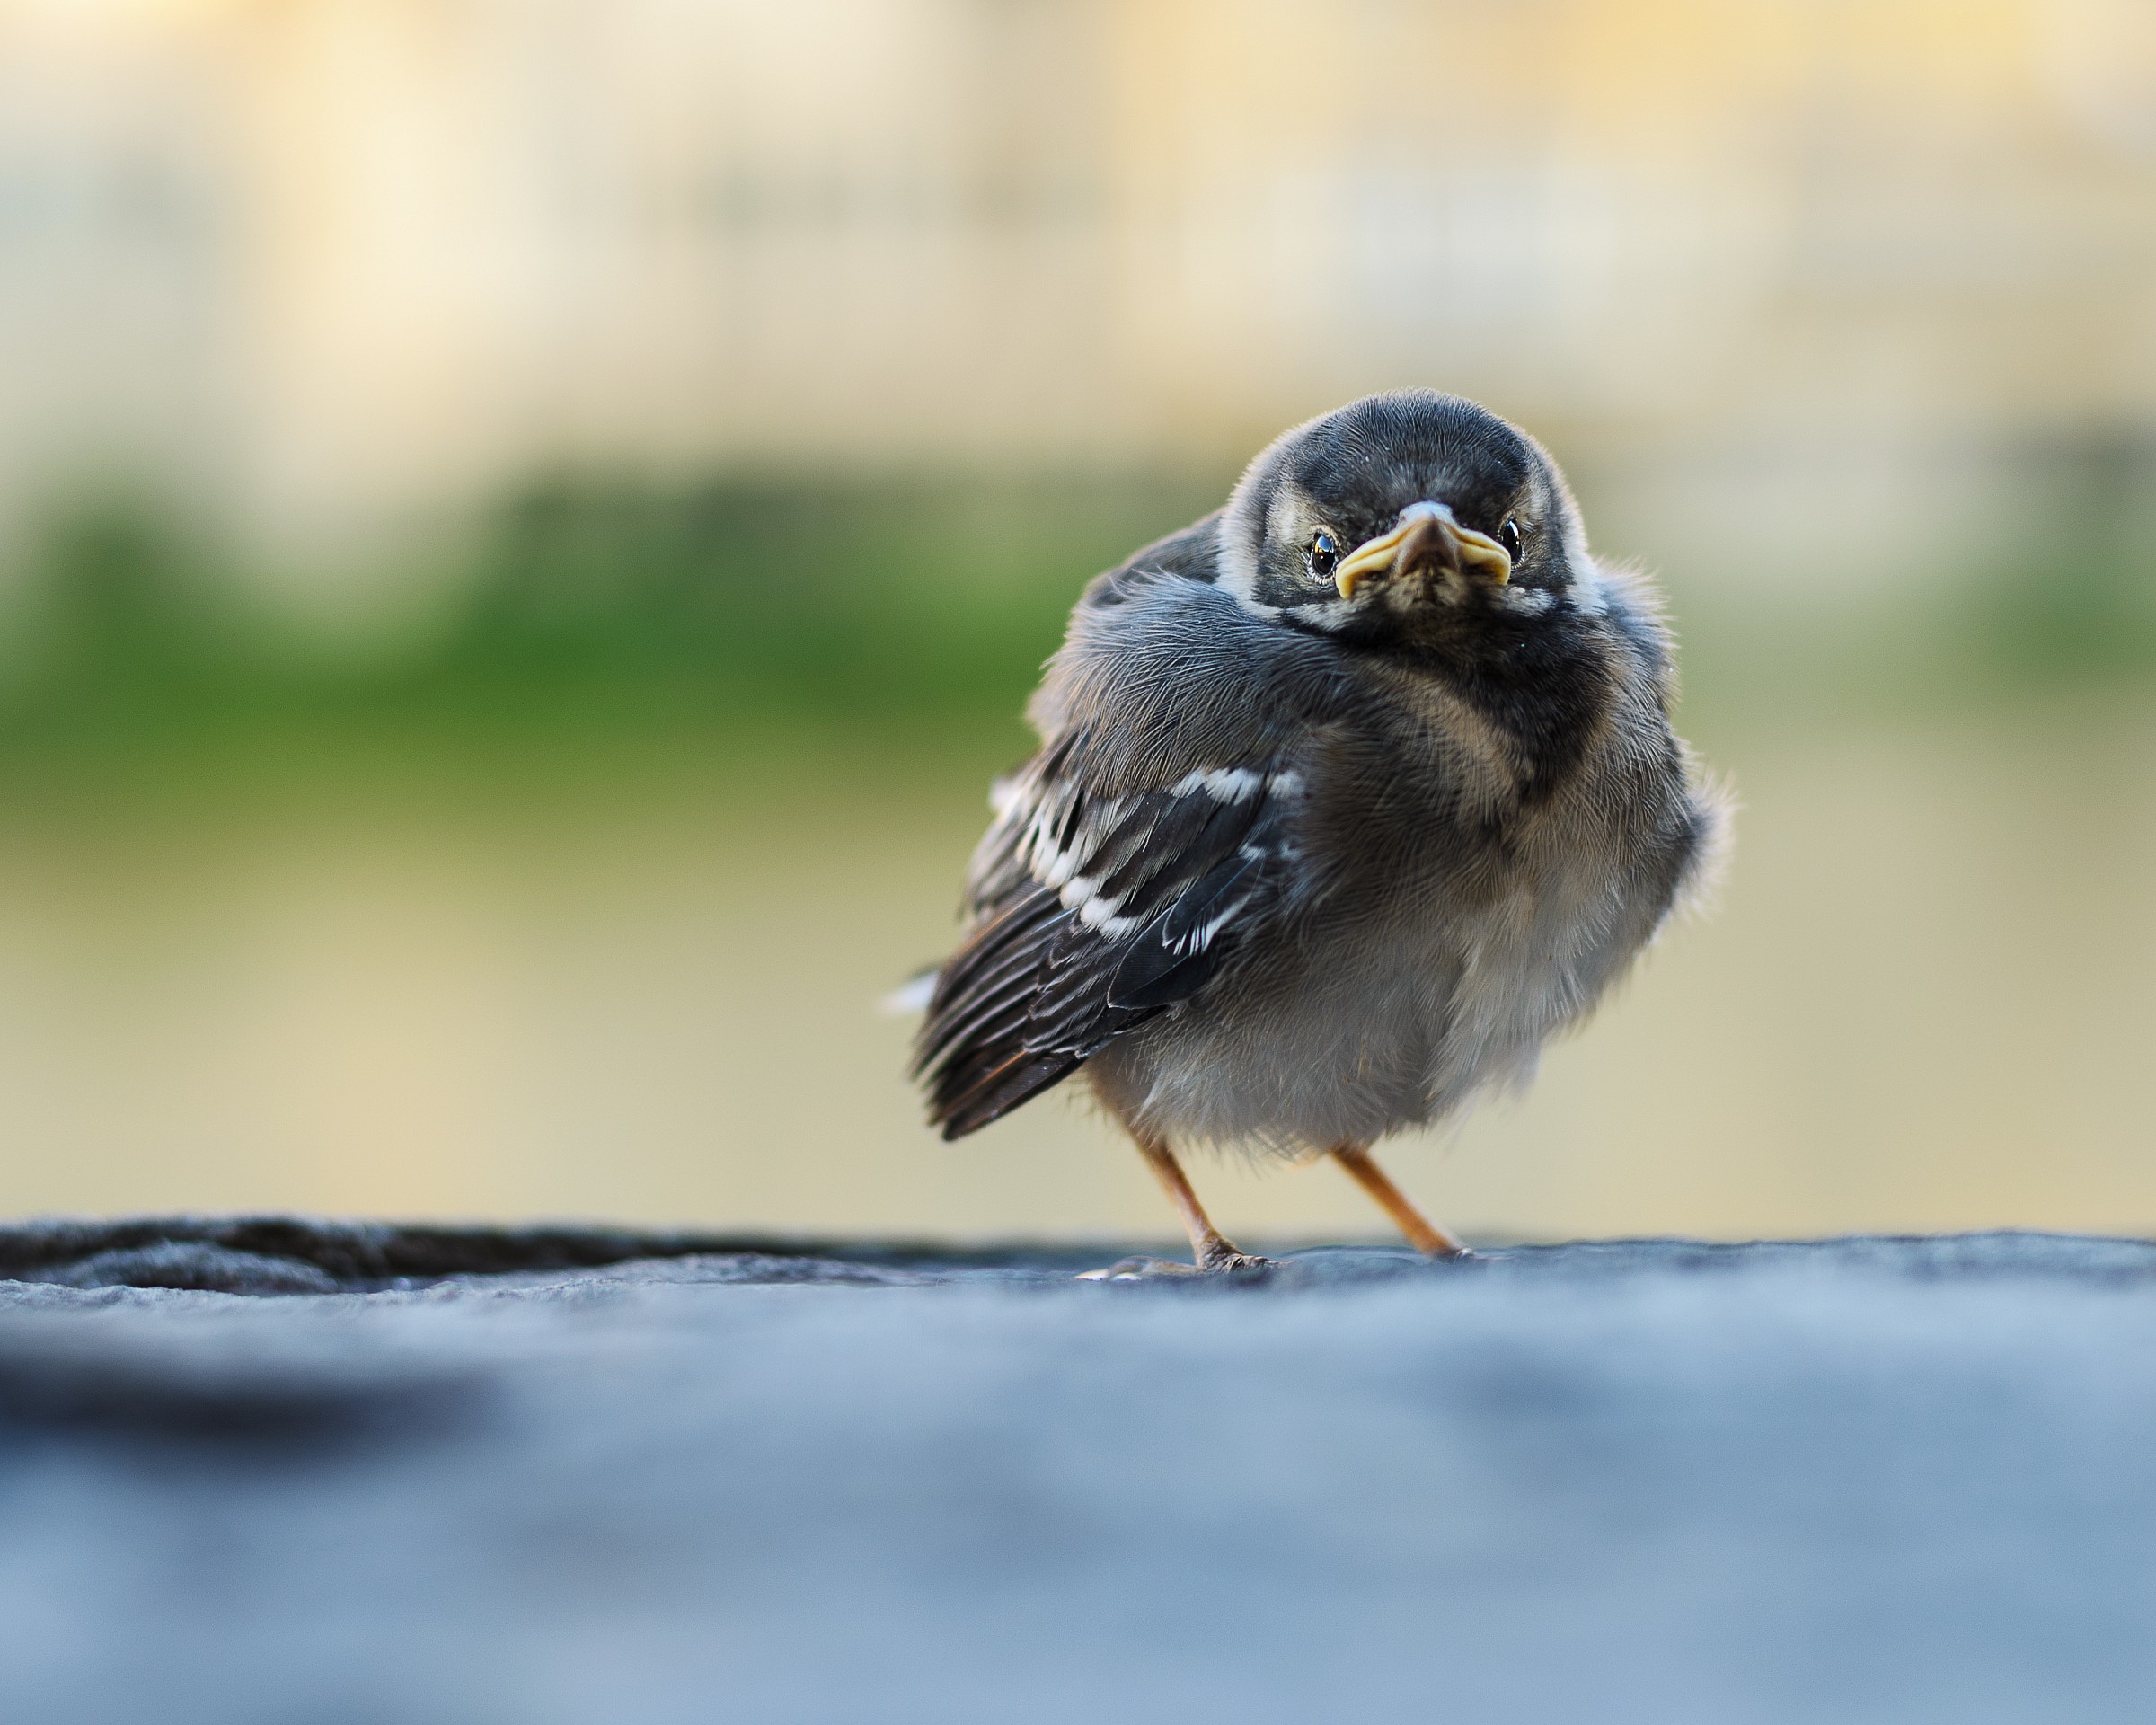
{"type": "Point", "coordinates": [1239, 580]}
{"type": "Point", "coordinates": [1332, 616]}
{"type": "Point", "coordinates": [1590, 592]}
{"type": "Point", "coordinates": [1526, 601]}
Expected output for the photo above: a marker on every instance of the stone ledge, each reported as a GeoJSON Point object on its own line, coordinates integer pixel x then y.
{"type": "Point", "coordinates": [550, 1476]}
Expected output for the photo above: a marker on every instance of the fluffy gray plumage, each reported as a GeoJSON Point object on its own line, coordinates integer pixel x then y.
{"type": "Point", "coordinates": [1298, 867]}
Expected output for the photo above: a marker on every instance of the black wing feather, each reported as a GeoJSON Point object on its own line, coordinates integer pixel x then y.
{"type": "Point", "coordinates": [1175, 963]}
{"type": "Point", "coordinates": [1092, 914]}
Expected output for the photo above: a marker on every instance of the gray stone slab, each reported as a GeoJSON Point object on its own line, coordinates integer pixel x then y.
{"type": "Point", "coordinates": [464, 1477]}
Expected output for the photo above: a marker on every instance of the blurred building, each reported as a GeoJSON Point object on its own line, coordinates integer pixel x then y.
{"type": "Point", "coordinates": [332, 262]}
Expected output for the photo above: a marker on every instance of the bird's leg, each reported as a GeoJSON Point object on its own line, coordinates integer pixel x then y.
{"type": "Point", "coordinates": [1423, 1234]}
{"type": "Point", "coordinates": [1210, 1249]}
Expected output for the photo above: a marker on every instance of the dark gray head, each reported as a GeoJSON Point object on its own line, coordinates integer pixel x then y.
{"type": "Point", "coordinates": [1409, 514]}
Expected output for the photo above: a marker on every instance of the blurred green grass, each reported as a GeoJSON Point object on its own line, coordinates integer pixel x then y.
{"type": "Point", "coordinates": [584, 628]}
{"type": "Point", "coordinates": [590, 631]}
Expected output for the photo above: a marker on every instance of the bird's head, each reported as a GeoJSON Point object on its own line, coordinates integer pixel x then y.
{"type": "Point", "coordinates": [1409, 514]}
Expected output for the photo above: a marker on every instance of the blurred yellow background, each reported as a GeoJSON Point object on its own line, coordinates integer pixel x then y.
{"type": "Point", "coordinates": [528, 525]}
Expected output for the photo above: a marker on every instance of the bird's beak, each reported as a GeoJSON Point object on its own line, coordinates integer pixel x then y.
{"type": "Point", "coordinates": [1428, 535]}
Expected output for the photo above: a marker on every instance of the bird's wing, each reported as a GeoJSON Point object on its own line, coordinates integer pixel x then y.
{"type": "Point", "coordinates": [1092, 911]}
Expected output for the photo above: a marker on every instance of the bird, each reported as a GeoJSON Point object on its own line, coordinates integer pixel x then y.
{"type": "Point", "coordinates": [1348, 797]}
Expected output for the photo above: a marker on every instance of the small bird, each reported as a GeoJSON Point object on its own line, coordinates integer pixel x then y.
{"type": "Point", "coordinates": [1348, 796]}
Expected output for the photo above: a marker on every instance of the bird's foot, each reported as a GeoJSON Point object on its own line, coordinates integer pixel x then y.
{"type": "Point", "coordinates": [1224, 1259]}
{"type": "Point", "coordinates": [1227, 1262]}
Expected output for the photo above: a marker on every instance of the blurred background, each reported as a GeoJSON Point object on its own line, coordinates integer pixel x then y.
{"type": "Point", "coordinates": [527, 526]}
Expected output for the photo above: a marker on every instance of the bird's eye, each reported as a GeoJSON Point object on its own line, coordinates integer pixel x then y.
{"type": "Point", "coordinates": [1508, 536]}
{"type": "Point", "coordinates": [1324, 554]}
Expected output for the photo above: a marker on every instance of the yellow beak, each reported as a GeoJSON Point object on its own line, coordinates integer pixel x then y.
{"type": "Point", "coordinates": [1427, 533]}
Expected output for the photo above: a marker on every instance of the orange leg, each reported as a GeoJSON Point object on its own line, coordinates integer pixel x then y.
{"type": "Point", "coordinates": [1210, 1249]}
{"type": "Point", "coordinates": [1423, 1234]}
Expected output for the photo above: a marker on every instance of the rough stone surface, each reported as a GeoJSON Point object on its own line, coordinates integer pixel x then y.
{"type": "Point", "coordinates": [325, 1474]}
